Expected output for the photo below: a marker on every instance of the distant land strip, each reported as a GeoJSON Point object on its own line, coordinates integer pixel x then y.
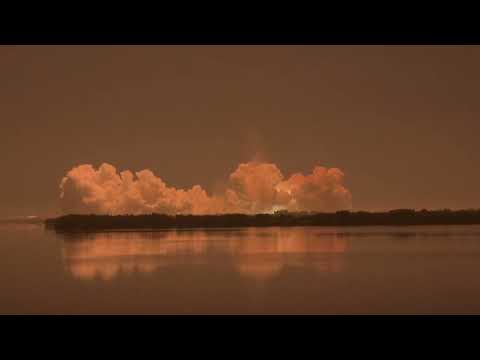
{"type": "Point", "coordinates": [22, 220]}
{"type": "Point", "coordinates": [69, 223]}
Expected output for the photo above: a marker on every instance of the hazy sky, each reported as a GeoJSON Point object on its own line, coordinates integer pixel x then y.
{"type": "Point", "coordinates": [400, 122]}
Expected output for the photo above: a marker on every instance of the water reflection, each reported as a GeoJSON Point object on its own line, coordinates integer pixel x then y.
{"type": "Point", "coordinates": [255, 253]}
{"type": "Point", "coordinates": [357, 270]}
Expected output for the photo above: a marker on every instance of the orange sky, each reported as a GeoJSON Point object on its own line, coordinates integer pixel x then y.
{"type": "Point", "coordinates": [400, 122]}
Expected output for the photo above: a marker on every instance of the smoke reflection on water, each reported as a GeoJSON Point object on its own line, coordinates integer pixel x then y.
{"type": "Point", "coordinates": [301, 270]}
{"type": "Point", "coordinates": [254, 253]}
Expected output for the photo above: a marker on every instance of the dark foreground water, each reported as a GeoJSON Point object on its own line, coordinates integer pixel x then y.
{"type": "Point", "coordinates": [355, 270]}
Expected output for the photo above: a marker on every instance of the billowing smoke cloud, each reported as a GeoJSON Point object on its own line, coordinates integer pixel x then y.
{"type": "Point", "coordinates": [254, 187]}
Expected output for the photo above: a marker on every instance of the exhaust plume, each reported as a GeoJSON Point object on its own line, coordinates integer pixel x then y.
{"type": "Point", "coordinates": [254, 187]}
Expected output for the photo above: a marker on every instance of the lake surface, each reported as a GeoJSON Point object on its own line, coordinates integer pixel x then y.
{"type": "Point", "coordinates": [301, 270]}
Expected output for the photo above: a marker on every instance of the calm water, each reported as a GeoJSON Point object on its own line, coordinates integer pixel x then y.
{"type": "Point", "coordinates": [357, 270]}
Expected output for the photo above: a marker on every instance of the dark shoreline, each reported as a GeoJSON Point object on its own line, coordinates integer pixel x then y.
{"type": "Point", "coordinates": [151, 222]}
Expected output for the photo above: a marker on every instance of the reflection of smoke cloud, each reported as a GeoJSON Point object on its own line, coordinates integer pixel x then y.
{"type": "Point", "coordinates": [256, 253]}
{"type": "Point", "coordinates": [105, 255]}
{"type": "Point", "coordinates": [264, 253]}
{"type": "Point", "coordinates": [253, 187]}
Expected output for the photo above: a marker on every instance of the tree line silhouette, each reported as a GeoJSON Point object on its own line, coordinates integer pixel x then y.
{"type": "Point", "coordinates": [279, 218]}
